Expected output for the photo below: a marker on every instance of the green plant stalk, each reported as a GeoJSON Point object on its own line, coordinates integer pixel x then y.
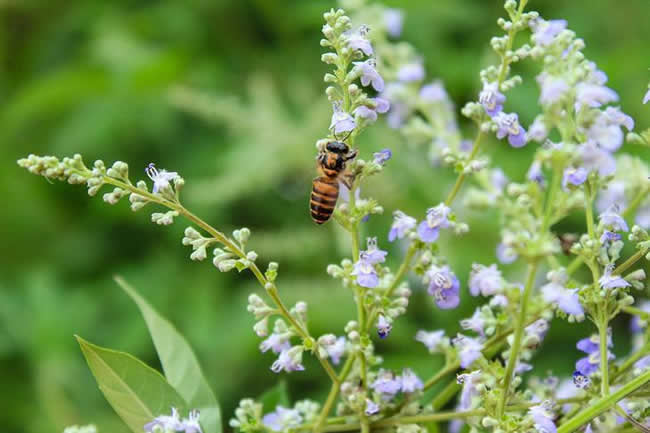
{"type": "Point", "coordinates": [589, 211]}
{"type": "Point", "coordinates": [636, 312]}
{"type": "Point", "coordinates": [630, 261]}
{"type": "Point", "coordinates": [604, 368]}
{"type": "Point", "coordinates": [270, 288]}
{"type": "Point", "coordinates": [461, 177]}
{"type": "Point", "coordinates": [603, 404]}
{"type": "Point", "coordinates": [556, 181]}
{"type": "Point", "coordinates": [334, 391]}
{"type": "Point", "coordinates": [634, 204]}
{"type": "Point", "coordinates": [516, 344]}
{"type": "Point", "coordinates": [631, 360]}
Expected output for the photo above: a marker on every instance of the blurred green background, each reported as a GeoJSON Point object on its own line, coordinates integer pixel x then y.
{"type": "Point", "coordinates": [100, 78]}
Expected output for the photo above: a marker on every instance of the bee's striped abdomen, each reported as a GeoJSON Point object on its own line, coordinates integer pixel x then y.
{"type": "Point", "coordinates": [324, 193]}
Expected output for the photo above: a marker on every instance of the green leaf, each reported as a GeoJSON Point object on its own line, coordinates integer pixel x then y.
{"type": "Point", "coordinates": [278, 395]}
{"type": "Point", "coordinates": [137, 392]}
{"type": "Point", "coordinates": [179, 363]}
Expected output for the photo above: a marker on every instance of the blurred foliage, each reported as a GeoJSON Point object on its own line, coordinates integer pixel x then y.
{"type": "Point", "coordinates": [229, 94]}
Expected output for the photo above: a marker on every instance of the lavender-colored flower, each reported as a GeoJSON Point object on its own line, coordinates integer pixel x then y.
{"type": "Point", "coordinates": [606, 129]}
{"type": "Point", "coordinates": [535, 173]}
{"type": "Point", "coordinates": [383, 327]}
{"type": "Point", "coordinates": [643, 363]}
{"type": "Point", "coordinates": [365, 273]}
{"type": "Point", "coordinates": [508, 125]}
{"type": "Point", "coordinates": [609, 281]}
{"type": "Point", "coordinates": [566, 300]}
{"type": "Point", "coordinates": [491, 99]}
{"type": "Point", "coordinates": [580, 380]}
{"type": "Point", "coordinates": [411, 72]}
{"type": "Point", "coordinates": [646, 98]}
{"type": "Point", "coordinates": [160, 178]}
{"type": "Point", "coordinates": [538, 329]}
{"type": "Point", "coordinates": [537, 130]}
{"type": "Point", "coordinates": [486, 280]}
{"type": "Point", "coordinates": [444, 287]}
{"type": "Point", "coordinates": [369, 74]}
{"type": "Point", "coordinates": [636, 325]}
{"type": "Point", "coordinates": [282, 419]}
{"type": "Point", "coordinates": [613, 195]}
{"type": "Point", "coordinates": [469, 349]}
{"type": "Point", "coordinates": [594, 95]}
{"type": "Point", "coordinates": [574, 176]}
{"type": "Point", "coordinates": [165, 422]}
{"type": "Point", "coordinates": [474, 323]}
{"type": "Point", "coordinates": [553, 89]}
{"type": "Point", "coordinates": [522, 367]}
{"type": "Point", "coordinates": [432, 340]}
{"type": "Point", "coordinates": [505, 254]}
{"type": "Point", "coordinates": [433, 92]}
{"type": "Point", "coordinates": [611, 218]}
{"type": "Point", "coordinates": [544, 32]}
{"type": "Point", "coordinates": [386, 384]}
{"type": "Point", "coordinates": [359, 41]}
{"type": "Point", "coordinates": [393, 20]}
{"type": "Point", "coordinates": [437, 218]}
{"type": "Point", "coordinates": [498, 179]}
{"type": "Point", "coordinates": [372, 408]}
{"type": "Point", "coordinates": [499, 301]}
{"type": "Point", "coordinates": [542, 416]}
{"type": "Point", "coordinates": [191, 423]}
{"type": "Point", "coordinates": [335, 351]}
{"type": "Point", "coordinates": [276, 342]}
{"type": "Point", "coordinates": [370, 114]}
{"type": "Point", "coordinates": [341, 120]}
{"type": "Point", "coordinates": [595, 158]}
{"type": "Point", "coordinates": [410, 382]}
{"type": "Point", "coordinates": [402, 223]}
{"type": "Point", "coordinates": [608, 237]}
{"type": "Point", "coordinates": [591, 363]}
{"type": "Point", "coordinates": [382, 156]}
{"type": "Point", "coordinates": [373, 254]}
{"type": "Point", "coordinates": [289, 360]}
{"type": "Point", "coordinates": [469, 382]}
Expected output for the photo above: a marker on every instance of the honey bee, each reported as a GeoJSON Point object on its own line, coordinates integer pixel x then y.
{"type": "Point", "coordinates": [325, 188]}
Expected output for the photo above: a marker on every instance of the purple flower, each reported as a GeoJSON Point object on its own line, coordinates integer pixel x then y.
{"type": "Point", "coordinates": [160, 178]}
{"type": "Point", "coordinates": [538, 329]}
{"type": "Point", "coordinates": [335, 351]}
{"type": "Point", "coordinates": [365, 273]}
{"type": "Point", "coordinates": [437, 218]}
{"type": "Point", "coordinates": [574, 176]}
{"type": "Point", "coordinates": [358, 40]}
{"type": "Point", "coordinates": [372, 408]}
{"type": "Point", "coordinates": [580, 380]}
{"type": "Point", "coordinates": [595, 158]}
{"type": "Point", "coordinates": [590, 363]}
{"type": "Point", "coordinates": [469, 349]}
{"type": "Point", "coordinates": [165, 422]}
{"type": "Point", "coordinates": [191, 423]}
{"type": "Point", "coordinates": [608, 237]}
{"type": "Point", "coordinates": [386, 384]}
{"type": "Point", "coordinates": [382, 156]}
{"type": "Point", "coordinates": [410, 382]}
{"type": "Point", "coordinates": [535, 173]}
{"type": "Point", "coordinates": [606, 129]}
{"type": "Point", "coordinates": [553, 89]}
{"type": "Point", "coordinates": [609, 281]}
{"type": "Point", "coordinates": [499, 301]}
{"type": "Point", "coordinates": [341, 120]}
{"type": "Point", "coordinates": [276, 342]}
{"type": "Point", "coordinates": [393, 20]}
{"type": "Point", "coordinates": [544, 32]}
{"type": "Point", "coordinates": [491, 99]}
{"type": "Point", "coordinates": [434, 92]}
{"type": "Point", "coordinates": [369, 74]}
{"type": "Point", "coordinates": [643, 363]}
{"type": "Point", "coordinates": [611, 218]}
{"type": "Point", "coordinates": [614, 194]}
{"type": "Point", "coordinates": [469, 382]}
{"type": "Point", "coordinates": [411, 72]}
{"type": "Point", "coordinates": [444, 287]}
{"type": "Point", "coordinates": [474, 323]}
{"type": "Point", "coordinates": [566, 300]}
{"type": "Point", "coordinates": [505, 254]}
{"type": "Point", "coordinates": [543, 417]}
{"type": "Point", "coordinates": [508, 125]}
{"type": "Point", "coordinates": [646, 98]}
{"type": "Point", "coordinates": [383, 327]}
{"type": "Point", "coordinates": [594, 95]}
{"type": "Point", "coordinates": [498, 179]}
{"type": "Point", "coordinates": [537, 130]}
{"type": "Point", "coordinates": [485, 280]}
{"type": "Point", "coordinates": [289, 360]}
{"type": "Point", "coordinates": [373, 255]}
{"type": "Point", "coordinates": [402, 223]}
{"type": "Point", "coordinates": [282, 419]}
{"type": "Point", "coordinates": [432, 340]}
{"type": "Point", "coordinates": [370, 114]}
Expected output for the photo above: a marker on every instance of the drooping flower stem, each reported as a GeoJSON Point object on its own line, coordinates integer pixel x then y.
{"type": "Point", "coordinates": [603, 404]}
{"type": "Point", "coordinates": [519, 332]}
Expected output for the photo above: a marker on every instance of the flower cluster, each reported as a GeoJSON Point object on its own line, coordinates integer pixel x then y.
{"type": "Point", "coordinates": [174, 423]}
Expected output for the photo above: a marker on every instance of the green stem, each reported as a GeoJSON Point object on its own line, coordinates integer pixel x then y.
{"type": "Point", "coordinates": [334, 391]}
{"type": "Point", "coordinates": [636, 312]}
{"type": "Point", "coordinates": [574, 265]}
{"type": "Point", "coordinates": [631, 360]}
{"type": "Point", "coordinates": [603, 404]}
{"type": "Point", "coordinates": [516, 344]}
{"type": "Point", "coordinates": [604, 368]}
{"type": "Point", "coordinates": [461, 177]}
{"type": "Point", "coordinates": [589, 209]}
{"type": "Point", "coordinates": [630, 261]}
{"type": "Point", "coordinates": [556, 182]}
{"type": "Point", "coordinates": [634, 204]}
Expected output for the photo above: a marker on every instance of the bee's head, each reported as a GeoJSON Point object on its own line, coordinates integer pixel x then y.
{"type": "Point", "coordinates": [337, 147]}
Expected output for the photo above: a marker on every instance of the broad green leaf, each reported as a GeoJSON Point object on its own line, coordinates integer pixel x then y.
{"type": "Point", "coordinates": [278, 395]}
{"type": "Point", "coordinates": [137, 392]}
{"type": "Point", "coordinates": [179, 363]}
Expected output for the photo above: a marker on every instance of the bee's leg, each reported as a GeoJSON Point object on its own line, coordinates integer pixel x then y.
{"type": "Point", "coordinates": [347, 179]}
{"type": "Point", "coordinates": [353, 154]}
